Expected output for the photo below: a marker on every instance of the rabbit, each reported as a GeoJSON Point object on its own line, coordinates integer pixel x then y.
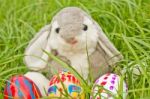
{"type": "Point", "coordinates": [77, 39]}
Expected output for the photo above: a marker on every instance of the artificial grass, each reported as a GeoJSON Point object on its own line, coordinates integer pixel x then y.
{"type": "Point", "coordinates": [125, 22]}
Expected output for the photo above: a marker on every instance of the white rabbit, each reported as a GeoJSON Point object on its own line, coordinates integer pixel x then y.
{"type": "Point", "coordinates": [72, 33]}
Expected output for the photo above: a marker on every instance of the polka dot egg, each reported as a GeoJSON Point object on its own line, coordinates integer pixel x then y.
{"type": "Point", "coordinates": [108, 86]}
{"type": "Point", "coordinates": [65, 82]}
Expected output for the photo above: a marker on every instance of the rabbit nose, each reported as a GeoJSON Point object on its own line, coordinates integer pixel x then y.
{"type": "Point", "coordinates": [71, 40]}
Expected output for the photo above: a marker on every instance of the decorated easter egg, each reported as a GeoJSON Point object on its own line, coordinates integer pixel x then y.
{"type": "Point", "coordinates": [109, 86]}
{"type": "Point", "coordinates": [65, 83]}
{"type": "Point", "coordinates": [20, 87]}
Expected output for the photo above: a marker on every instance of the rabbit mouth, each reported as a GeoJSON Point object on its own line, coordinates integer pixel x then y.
{"type": "Point", "coordinates": [74, 47]}
{"type": "Point", "coordinates": [77, 45]}
{"type": "Point", "coordinates": [72, 42]}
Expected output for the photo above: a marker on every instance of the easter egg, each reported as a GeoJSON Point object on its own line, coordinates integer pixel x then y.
{"type": "Point", "coordinates": [20, 87]}
{"type": "Point", "coordinates": [65, 83]}
{"type": "Point", "coordinates": [109, 86]}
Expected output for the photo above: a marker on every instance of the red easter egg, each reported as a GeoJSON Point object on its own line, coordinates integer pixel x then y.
{"type": "Point", "coordinates": [21, 87]}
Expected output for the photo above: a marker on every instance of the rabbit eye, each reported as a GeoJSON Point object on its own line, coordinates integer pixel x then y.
{"type": "Point", "coordinates": [85, 27]}
{"type": "Point", "coordinates": [57, 30]}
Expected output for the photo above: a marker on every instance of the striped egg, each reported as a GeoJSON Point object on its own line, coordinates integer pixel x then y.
{"type": "Point", "coordinates": [65, 83]}
{"type": "Point", "coordinates": [109, 86]}
{"type": "Point", "coordinates": [20, 87]}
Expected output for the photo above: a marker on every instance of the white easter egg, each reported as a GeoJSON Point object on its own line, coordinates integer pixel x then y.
{"type": "Point", "coordinates": [109, 86]}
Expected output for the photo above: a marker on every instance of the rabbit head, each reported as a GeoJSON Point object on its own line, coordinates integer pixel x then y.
{"type": "Point", "coordinates": [71, 31]}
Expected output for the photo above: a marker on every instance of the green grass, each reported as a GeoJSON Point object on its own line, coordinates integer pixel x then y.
{"type": "Point", "coordinates": [125, 22]}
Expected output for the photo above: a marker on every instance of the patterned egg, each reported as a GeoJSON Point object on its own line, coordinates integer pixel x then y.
{"type": "Point", "coordinates": [65, 83]}
{"type": "Point", "coordinates": [108, 86]}
{"type": "Point", "coordinates": [20, 87]}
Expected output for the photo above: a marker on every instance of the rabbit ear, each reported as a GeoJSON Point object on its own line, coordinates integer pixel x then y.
{"type": "Point", "coordinates": [112, 55]}
{"type": "Point", "coordinates": [35, 58]}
